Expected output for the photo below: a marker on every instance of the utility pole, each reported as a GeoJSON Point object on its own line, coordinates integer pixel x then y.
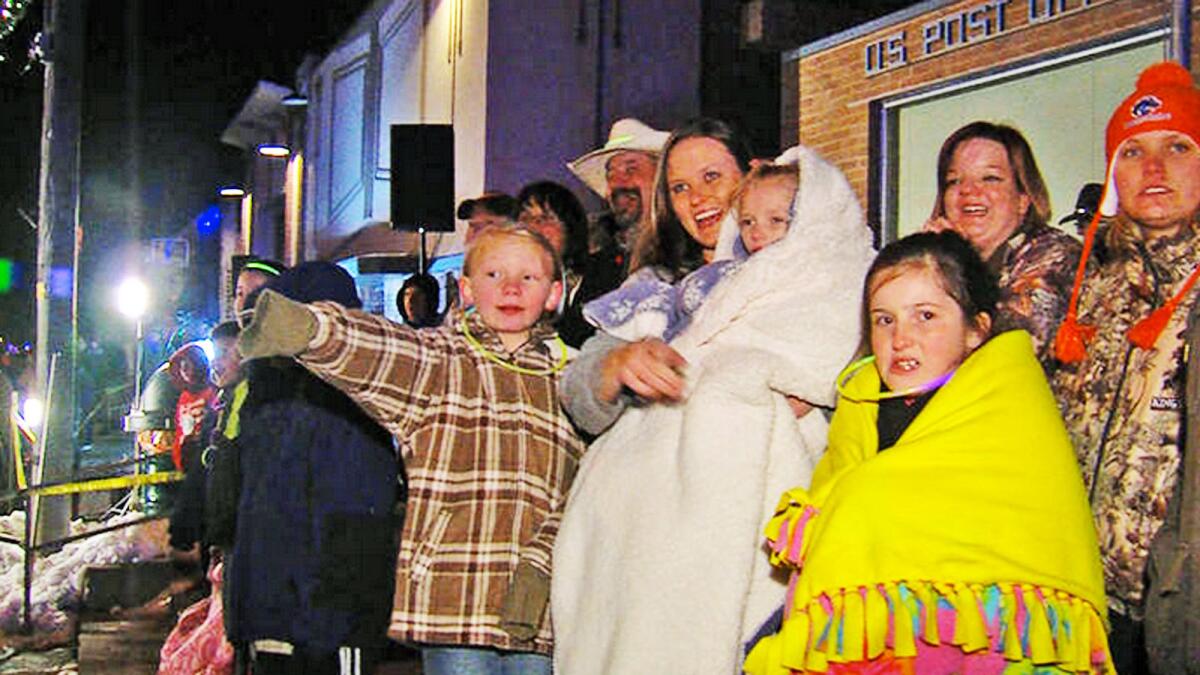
{"type": "Point", "coordinates": [136, 212]}
{"type": "Point", "coordinates": [59, 237]}
{"type": "Point", "coordinates": [1180, 46]}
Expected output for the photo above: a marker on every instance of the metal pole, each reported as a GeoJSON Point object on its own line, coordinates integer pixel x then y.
{"type": "Point", "coordinates": [1181, 33]}
{"type": "Point", "coordinates": [58, 239]}
{"type": "Point", "coordinates": [137, 366]}
{"type": "Point", "coordinates": [136, 408]}
{"type": "Point", "coordinates": [421, 250]}
{"type": "Point", "coordinates": [27, 601]}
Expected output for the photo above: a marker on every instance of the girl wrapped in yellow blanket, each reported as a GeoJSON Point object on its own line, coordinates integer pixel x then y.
{"type": "Point", "coordinates": [946, 529]}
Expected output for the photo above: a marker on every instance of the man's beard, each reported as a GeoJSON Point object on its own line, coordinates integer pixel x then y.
{"type": "Point", "coordinates": [626, 205]}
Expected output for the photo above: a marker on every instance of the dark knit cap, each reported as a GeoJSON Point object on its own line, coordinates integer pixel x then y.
{"type": "Point", "coordinates": [318, 280]}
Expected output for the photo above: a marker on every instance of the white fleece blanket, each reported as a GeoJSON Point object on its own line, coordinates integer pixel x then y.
{"type": "Point", "coordinates": [658, 566]}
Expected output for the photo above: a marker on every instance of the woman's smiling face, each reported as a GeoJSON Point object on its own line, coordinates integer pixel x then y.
{"type": "Point", "coordinates": [701, 177]}
{"type": "Point", "coordinates": [982, 199]}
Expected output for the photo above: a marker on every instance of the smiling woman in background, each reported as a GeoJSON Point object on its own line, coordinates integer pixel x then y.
{"type": "Point", "coordinates": [991, 192]}
{"type": "Point", "coordinates": [554, 212]}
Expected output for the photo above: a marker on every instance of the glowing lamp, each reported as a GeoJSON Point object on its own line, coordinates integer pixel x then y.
{"type": "Point", "coordinates": [274, 150]}
{"type": "Point", "coordinates": [33, 412]}
{"type": "Point", "coordinates": [133, 298]}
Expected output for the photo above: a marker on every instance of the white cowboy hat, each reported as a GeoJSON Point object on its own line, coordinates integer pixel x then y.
{"type": "Point", "coordinates": [626, 134]}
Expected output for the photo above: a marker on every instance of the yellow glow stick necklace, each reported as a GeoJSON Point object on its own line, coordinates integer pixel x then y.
{"type": "Point", "coordinates": [851, 370]}
{"type": "Point", "coordinates": [494, 358]}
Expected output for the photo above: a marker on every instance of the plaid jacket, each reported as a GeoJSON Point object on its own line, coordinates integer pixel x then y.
{"type": "Point", "coordinates": [489, 454]}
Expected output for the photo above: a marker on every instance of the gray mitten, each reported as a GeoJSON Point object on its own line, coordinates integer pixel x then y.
{"type": "Point", "coordinates": [525, 603]}
{"type": "Point", "coordinates": [281, 327]}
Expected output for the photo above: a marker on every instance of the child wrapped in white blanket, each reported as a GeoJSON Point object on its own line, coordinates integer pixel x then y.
{"type": "Point", "coordinates": [657, 566]}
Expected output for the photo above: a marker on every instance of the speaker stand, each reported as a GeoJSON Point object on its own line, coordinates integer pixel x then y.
{"type": "Point", "coordinates": [421, 251]}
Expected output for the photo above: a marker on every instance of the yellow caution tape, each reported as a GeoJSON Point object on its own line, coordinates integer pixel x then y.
{"type": "Point", "coordinates": [101, 484]}
{"type": "Point", "coordinates": [14, 421]}
{"type": "Point", "coordinates": [18, 430]}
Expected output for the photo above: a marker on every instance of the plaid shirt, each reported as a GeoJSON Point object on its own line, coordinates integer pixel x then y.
{"type": "Point", "coordinates": [489, 454]}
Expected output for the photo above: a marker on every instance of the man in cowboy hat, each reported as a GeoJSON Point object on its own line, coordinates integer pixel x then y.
{"type": "Point", "coordinates": [622, 171]}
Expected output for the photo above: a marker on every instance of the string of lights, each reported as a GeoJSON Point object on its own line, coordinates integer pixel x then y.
{"type": "Point", "coordinates": [11, 13]}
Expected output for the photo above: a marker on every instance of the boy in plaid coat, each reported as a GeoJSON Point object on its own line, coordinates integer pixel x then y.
{"type": "Point", "coordinates": [489, 453]}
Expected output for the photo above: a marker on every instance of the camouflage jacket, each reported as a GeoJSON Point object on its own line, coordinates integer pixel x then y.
{"type": "Point", "coordinates": [1035, 269]}
{"type": "Point", "coordinates": [1124, 406]}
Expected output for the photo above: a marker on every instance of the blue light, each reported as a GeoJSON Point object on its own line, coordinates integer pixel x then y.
{"type": "Point", "coordinates": [209, 221]}
{"type": "Point", "coordinates": [61, 282]}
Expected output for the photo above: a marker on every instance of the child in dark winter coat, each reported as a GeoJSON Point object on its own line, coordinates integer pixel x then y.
{"type": "Point", "coordinates": [308, 580]}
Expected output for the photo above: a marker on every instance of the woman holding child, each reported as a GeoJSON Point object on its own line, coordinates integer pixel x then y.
{"type": "Point", "coordinates": [938, 537]}
{"type": "Point", "coordinates": [709, 160]}
{"type": "Point", "coordinates": [656, 566]}
{"type": "Point", "coordinates": [991, 192]}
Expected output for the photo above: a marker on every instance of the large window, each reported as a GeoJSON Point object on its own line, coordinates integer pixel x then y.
{"type": "Point", "coordinates": [1061, 105]}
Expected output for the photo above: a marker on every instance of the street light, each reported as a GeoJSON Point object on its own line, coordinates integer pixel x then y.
{"type": "Point", "coordinates": [133, 298]}
{"type": "Point", "coordinates": [33, 412]}
{"type": "Point", "coordinates": [276, 150]}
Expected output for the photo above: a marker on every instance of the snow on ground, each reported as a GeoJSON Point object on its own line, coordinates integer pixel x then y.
{"type": "Point", "coordinates": [58, 577]}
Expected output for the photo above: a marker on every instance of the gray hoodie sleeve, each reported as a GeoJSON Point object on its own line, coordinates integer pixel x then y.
{"type": "Point", "coordinates": [576, 390]}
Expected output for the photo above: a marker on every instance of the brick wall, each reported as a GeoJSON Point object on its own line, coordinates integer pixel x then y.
{"type": "Point", "coordinates": [835, 92]}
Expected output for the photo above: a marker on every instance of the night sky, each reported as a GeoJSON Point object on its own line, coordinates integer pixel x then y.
{"type": "Point", "coordinates": [199, 61]}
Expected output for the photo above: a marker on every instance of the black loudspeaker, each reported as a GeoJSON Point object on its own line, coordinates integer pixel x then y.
{"type": "Point", "coordinates": [423, 177]}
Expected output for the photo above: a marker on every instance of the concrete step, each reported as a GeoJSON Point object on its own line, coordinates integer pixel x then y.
{"type": "Point", "coordinates": [124, 585]}
{"type": "Point", "coordinates": [121, 647]}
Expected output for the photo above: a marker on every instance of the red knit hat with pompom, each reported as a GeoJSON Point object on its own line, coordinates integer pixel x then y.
{"type": "Point", "coordinates": [1165, 99]}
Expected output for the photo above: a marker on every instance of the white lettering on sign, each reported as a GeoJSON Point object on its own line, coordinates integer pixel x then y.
{"type": "Point", "coordinates": [979, 22]}
{"type": "Point", "coordinates": [889, 52]}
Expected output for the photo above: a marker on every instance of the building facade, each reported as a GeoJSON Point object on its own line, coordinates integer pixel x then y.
{"type": "Point", "coordinates": [526, 86]}
{"type": "Point", "coordinates": [879, 99]}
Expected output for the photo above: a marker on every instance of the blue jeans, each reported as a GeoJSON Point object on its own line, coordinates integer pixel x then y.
{"type": "Point", "coordinates": [482, 661]}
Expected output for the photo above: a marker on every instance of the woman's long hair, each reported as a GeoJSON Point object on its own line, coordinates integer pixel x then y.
{"type": "Point", "coordinates": [665, 243]}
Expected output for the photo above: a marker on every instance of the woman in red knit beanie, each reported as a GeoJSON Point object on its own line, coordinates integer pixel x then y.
{"type": "Point", "coordinates": [1121, 383]}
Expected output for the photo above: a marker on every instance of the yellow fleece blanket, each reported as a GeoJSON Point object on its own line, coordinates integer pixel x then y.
{"type": "Point", "coordinates": [981, 492]}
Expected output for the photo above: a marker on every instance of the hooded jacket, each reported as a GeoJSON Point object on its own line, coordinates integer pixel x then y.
{"type": "Point", "coordinates": [314, 547]}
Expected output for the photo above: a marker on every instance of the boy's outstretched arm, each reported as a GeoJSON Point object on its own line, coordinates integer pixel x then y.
{"type": "Point", "coordinates": [370, 359]}
{"type": "Point", "coordinates": [281, 327]}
